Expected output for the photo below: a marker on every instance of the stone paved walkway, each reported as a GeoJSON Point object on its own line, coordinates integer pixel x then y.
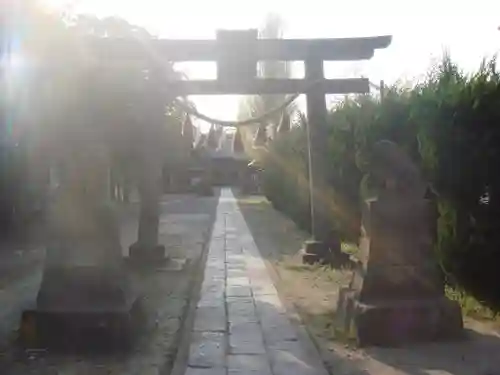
{"type": "Point", "coordinates": [241, 326]}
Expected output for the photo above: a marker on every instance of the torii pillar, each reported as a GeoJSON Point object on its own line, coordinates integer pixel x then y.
{"type": "Point", "coordinates": [317, 145]}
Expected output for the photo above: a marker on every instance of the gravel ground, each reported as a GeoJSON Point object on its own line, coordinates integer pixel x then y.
{"type": "Point", "coordinates": [185, 226]}
{"type": "Point", "coordinates": [313, 292]}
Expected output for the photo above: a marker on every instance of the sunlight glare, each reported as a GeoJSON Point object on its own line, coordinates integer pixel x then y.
{"type": "Point", "coordinates": [14, 64]}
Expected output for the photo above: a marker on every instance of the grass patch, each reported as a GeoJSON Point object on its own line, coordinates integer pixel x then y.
{"type": "Point", "coordinates": [471, 307]}
{"type": "Point", "coordinates": [302, 267]}
{"type": "Point", "coordinates": [326, 327]}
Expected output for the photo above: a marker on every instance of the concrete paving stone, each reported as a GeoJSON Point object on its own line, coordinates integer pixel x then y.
{"type": "Point", "coordinates": [263, 290]}
{"type": "Point", "coordinates": [241, 364]}
{"type": "Point", "coordinates": [246, 342]}
{"type": "Point", "coordinates": [279, 331]}
{"type": "Point", "coordinates": [207, 349]}
{"type": "Point", "coordinates": [236, 273]}
{"type": "Point", "coordinates": [205, 371]}
{"type": "Point", "coordinates": [214, 271]}
{"type": "Point", "coordinates": [270, 317]}
{"type": "Point", "coordinates": [211, 301]}
{"type": "Point", "coordinates": [215, 260]}
{"type": "Point", "coordinates": [258, 279]}
{"type": "Point", "coordinates": [238, 291]}
{"type": "Point", "coordinates": [217, 237]}
{"type": "Point", "coordinates": [236, 267]}
{"type": "Point", "coordinates": [241, 306]}
{"type": "Point", "coordinates": [265, 303]}
{"type": "Point", "coordinates": [210, 318]}
{"type": "Point", "coordinates": [239, 300]}
{"type": "Point", "coordinates": [216, 251]}
{"type": "Point", "coordinates": [289, 346]}
{"type": "Point", "coordinates": [217, 245]}
{"type": "Point", "coordinates": [289, 363]}
{"type": "Point", "coordinates": [239, 317]}
{"type": "Point", "coordinates": [218, 267]}
{"type": "Point", "coordinates": [234, 257]}
{"type": "Point", "coordinates": [244, 328]}
{"type": "Point", "coordinates": [220, 276]}
{"type": "Point", "coordinates": [236, 251]}
{"type": "Point", "coordinates": [238, 281]}
{"type": "Point", "coordinates": [214, 293]}
{"type": "Point", "coordinates": [234, 248]}
{"type": "Point", "coordinates": [216, 290]}
{"type": "Point", "coordinates": [213, 283]}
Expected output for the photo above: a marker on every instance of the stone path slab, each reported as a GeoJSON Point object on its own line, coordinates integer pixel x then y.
{"type": "Point", "coordinates": [241, 326]}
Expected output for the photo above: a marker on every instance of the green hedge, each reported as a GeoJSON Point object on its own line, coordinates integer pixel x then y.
{"type": "Point", "coordinates": [450, 126]}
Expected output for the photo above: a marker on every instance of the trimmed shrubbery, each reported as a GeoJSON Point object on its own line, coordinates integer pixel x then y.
{"type": "Point", "coordinates": [450, 126]}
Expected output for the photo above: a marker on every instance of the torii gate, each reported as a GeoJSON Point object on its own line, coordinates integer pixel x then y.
{"type": "Point", "coordinates": [237, 52]}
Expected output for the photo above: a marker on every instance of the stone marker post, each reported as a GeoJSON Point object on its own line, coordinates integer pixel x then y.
{"type": "Point", "coordinates": [397, 294]}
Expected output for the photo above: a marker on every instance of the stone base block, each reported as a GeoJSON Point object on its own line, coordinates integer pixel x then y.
{"type": "Point", "coordinates": [318, 248]}
{"type": "Point", "coordinates": [395, 323]}
{"type": "Point", "coordinates": [96, 330]}
{"type": "Point", "coordinates": [139, 253]}
{"type": "Point", "coordinates": [320, 252]}
{"type": "Point", "coordinates": [310, 258]}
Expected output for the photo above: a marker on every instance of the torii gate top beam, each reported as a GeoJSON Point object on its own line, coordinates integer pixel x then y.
{"type": "Point", "coordinates": [339, 49]}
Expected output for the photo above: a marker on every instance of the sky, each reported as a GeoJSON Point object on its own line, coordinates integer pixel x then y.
{"type": "Point", "coordinates": [421, 31]}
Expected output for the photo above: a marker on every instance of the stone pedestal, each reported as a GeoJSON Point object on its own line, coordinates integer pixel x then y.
{"type": "Point", "coordinates": [314, 252]}
{"type": "Point", "coordinates": [85, 289]}
{"type": "Point", "coordinates": [397, 293]}
{"type": "Point", "coordinates": [326, 250]}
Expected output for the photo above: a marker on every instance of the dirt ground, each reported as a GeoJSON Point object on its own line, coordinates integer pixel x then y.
{"type": "Point", "coordinates": [185, 225]}
{"type": "Point", "coordinates": [312, 290]}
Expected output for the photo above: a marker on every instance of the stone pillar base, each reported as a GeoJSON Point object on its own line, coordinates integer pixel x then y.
{"type": "Point", "coordinates": [314, 252]}
{"type": "Point", "coordinates": [399, 322]}
{"type": "Point", "coordinates": [83, 305]}
{"type": "Point", "coordinates": [99, 330]}
{"type": "Point", "coordinates": [320, 252]}
{"type": "Point", "coordinates": [139, 253]}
